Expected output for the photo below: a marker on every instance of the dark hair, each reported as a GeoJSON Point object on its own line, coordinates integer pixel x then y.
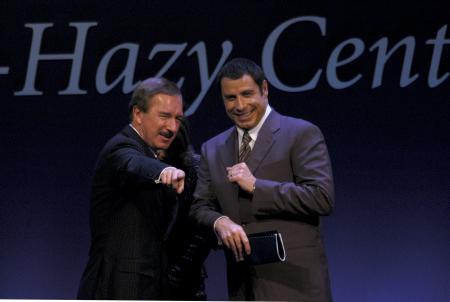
{"type": "Point", "coordinates": [147, 89]}
{"type": "Point", "coordinates": [239, 67]}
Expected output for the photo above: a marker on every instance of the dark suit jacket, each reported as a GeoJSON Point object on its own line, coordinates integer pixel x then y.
{"type": "Point", "coordinates": [294, 187]}
{"type": "Point", "coordinates": [131, 218]}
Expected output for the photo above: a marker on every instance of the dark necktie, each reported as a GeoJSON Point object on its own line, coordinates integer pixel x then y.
{"type": "Point", "coordinates": [245, 149]}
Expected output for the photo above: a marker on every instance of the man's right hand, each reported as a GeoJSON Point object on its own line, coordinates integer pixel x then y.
{"type": "Point", "coordinates": [173, 177]}
{"type": "Point", "coordinates": [233, 237]}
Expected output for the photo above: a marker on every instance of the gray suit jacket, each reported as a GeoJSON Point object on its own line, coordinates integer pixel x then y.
{"type": "Point", "coordinates": [294, 187]}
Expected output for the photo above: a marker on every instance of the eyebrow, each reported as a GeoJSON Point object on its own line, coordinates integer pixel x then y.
{"type": "Point", "coordinates": [165, 113]}
{"type": "Point", "coordinates": [229, 95]}
{"type": "Point", "coordinates": [250, 90]}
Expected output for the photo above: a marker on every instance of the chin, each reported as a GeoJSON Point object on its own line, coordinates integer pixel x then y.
{"type": "Point", "coordinates": [164, 145]}
{"type": "Point", "coordinates": [246, 125]}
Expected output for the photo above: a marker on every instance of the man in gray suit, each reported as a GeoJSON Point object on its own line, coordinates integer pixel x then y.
{"type": "Point", "coordinates": [268, 172]}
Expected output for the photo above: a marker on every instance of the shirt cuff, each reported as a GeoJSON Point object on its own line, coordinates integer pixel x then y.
{"type": "Point", "coordinates": [219, 241]}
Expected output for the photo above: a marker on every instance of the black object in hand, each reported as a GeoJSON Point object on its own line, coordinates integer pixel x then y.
{"type": "Point", "coordinates": [267, 247]}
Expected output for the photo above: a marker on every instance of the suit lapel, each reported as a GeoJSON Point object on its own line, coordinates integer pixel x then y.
{"type": "Point", "coordinates": [265, 140]}
{"type": "Point", "coordinates": [228, 152]}
{"type": "Point", "coordinates": [128, 131]}
{"type": "Point", "coordinates": [228, 149]}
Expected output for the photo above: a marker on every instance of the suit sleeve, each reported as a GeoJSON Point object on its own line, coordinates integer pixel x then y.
{"type": "Point", "coordinates": [205, 208]}
{"type": "Point", "coordinates": [311, 192]}
{"type": "Point", "coordinates": [132, 166]}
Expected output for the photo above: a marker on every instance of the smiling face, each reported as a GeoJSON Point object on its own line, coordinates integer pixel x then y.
{"type": "Point", "coordinates": [245, 102]}
{"type": "Point", "coordinates": [159, 125]}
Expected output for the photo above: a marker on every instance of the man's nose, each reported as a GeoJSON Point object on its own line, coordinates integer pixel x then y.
{"type": "Point", "coordinates": [172, 125]}
{"type": "Point", "coordinates": [239, 103]}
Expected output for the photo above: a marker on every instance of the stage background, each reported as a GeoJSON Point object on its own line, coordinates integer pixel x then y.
{"type": "Point", "coordinates": [387, 129]}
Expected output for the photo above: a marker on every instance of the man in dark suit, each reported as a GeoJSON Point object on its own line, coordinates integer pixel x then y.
{"type": "Point", "coordinates": [269, 172]}
{"type": "Point", "coordinates": [134, 201]}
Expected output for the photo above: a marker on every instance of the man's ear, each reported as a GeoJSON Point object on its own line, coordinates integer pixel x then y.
{"type": "Point", "coordinates": [137, 115]}
{"type": "Point", "coordinates": [265, 88]}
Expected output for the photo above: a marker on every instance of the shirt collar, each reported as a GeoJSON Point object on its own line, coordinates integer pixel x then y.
{"type": "Point", "coordinates": [151, 149]}
{"type": "Point", "coordinates": [135, 130]}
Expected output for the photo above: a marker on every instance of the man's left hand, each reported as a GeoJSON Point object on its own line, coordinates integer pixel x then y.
{"type": "Point", "coordinates": [241, 175]}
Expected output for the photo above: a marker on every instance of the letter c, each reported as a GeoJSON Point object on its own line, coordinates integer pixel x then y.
{"type": "Point", "coordinates": [267, 55]}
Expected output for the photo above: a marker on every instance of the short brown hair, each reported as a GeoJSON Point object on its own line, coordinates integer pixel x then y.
{"type": "Point", "coordinates": [147, 89]}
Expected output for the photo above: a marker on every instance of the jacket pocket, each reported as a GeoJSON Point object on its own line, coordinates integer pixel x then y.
{"type": "Point", "coordinates": [135, 279]}
{"type": "Point", "coordinates": [141, 266]}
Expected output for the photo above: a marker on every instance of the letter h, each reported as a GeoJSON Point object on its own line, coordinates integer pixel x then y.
{"type": "Point", "coordinates": [36, 56]}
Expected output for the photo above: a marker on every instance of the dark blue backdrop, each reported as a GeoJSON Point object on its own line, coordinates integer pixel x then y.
{"type": "Point", "coordinates": [388, 239]}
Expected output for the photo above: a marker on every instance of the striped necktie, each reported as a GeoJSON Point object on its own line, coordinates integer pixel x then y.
{"type": "Point", "coordinates": [245, 149]}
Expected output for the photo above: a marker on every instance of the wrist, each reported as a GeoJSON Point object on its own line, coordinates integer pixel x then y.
{"type": "Point", "coordinates": [217, 221]}
{"type": "Point", "coordinates": [159, 180]}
